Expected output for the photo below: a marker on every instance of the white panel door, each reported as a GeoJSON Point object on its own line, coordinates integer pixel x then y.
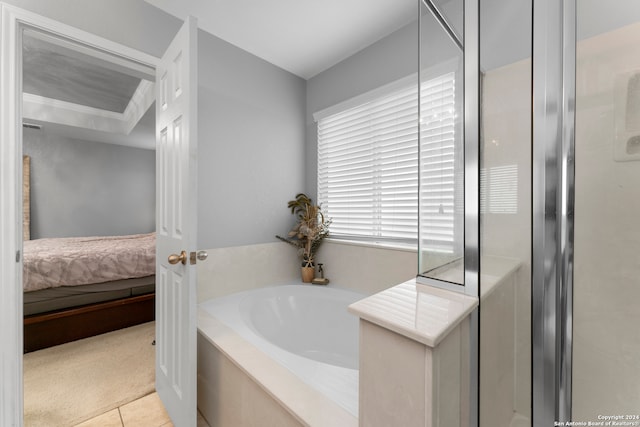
{"type": "Point", "coordinates": [176, 135]}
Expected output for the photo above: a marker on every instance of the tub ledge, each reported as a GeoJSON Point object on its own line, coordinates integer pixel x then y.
{"type": "Point", "coordinates": [240, 385]}
{"type": "Point", "coordinates": [414, 356]}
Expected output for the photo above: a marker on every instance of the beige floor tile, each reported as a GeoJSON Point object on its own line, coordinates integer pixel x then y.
{"type": "Point", "coordinates": [145, 412]}
{"type": "Point", "coordinates": [108, 419]}
{"type": "Point", "coordinates": [201, 421]}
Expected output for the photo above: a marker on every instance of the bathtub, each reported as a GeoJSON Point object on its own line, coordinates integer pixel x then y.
{"type": "Point", "coordinates": [296, 342]}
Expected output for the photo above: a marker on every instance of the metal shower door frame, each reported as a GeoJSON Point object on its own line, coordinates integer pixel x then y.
{"type": "Point", "coordinates": [554, 65]}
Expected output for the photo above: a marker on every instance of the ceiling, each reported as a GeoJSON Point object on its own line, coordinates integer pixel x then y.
{"type": "Point", "coordinates": [78, 92]}
{"type": "Point", "coordinates": [56, 72]}
{"type": "Point", "coordinates": [303, 37]}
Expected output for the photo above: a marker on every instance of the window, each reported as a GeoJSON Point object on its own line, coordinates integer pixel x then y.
{"type": "Point", "coordinates": [441, 163]}
{"type": "Point", "coordinates": [368, 164]}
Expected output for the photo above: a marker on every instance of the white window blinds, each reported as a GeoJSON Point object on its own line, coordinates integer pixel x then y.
{"type": "Point", "coordinates": [441, 183]}
{"type": "Point", "coordinates": [499, 190]}
{"type": "Point", "coordinates": [368, 164]}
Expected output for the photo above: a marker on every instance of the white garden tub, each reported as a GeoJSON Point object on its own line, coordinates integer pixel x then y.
{"type": "Point", "coordinates": [304, 328]}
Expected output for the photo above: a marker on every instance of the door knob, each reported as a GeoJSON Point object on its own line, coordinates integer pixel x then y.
{"type": "Point", "coordinates": [202, 255]}
{"type": "Point", "coordinates": [174, 259]}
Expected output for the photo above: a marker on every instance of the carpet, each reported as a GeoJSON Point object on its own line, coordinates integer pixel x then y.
{"type": "Point", "coordinates": [73, 382]}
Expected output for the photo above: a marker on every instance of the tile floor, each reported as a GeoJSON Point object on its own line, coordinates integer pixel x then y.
{"type": "Point", "coordinates": [147, 411]}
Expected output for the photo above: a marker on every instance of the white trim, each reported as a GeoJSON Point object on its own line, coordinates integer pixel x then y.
{"type": "Point", "coordinates": [13, 19]}
{"type": "Point", "coordinates": [50, 110]}
{"type": "Point", "coordinates": [143, 97]}
{"type": "Point", "coordinates": [51, 105]}
{"type": "Point", "coordinates": [11, 406]}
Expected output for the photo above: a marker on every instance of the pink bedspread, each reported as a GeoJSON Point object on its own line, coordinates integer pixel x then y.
{"type": "Point", "coordinates": [72, 261]}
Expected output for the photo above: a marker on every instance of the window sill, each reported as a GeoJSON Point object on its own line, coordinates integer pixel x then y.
{"type": "Point", "coordinates": [377, 245]}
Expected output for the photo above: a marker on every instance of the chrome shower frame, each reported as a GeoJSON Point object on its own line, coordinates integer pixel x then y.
{"type": "Point", "coordinates": [554, 65]}
{"type": "Point", "coordinates": [470, 46]}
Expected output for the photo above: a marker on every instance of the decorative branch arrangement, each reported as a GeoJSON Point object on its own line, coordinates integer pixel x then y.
{"type": "Point", "coordinates": [312, 227]}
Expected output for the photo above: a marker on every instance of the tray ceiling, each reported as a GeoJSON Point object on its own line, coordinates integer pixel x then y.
{"type": "Point", "coordinates": [53, 71]}
{"type": "Point", "coordinates": [79, 92]}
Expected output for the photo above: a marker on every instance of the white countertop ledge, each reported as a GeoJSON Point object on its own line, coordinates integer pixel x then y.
{"type": "Point", "coordinates": [420, 312]}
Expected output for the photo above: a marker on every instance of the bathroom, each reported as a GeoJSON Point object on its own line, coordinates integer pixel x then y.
{"type": "Point", "coordinates": [258, 146]}
{"type": "Point", "coordinates": [604, 370]}
{"type": "Point", "coordinates": [506, 194]}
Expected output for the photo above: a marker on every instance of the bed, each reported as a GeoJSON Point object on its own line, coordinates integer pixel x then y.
{"type": "Point", "coordinates": [80, 287]}
{"type": "Point", "coordinates": [84, 286]}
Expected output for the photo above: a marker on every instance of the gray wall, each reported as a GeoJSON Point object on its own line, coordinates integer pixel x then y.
{"type": "Point", "coordinates": [251, 145]}
{"type": "Point", "coordinates": [388, 60]}
{"type": "Point", "coordinates": [505, 32]}
{"type": "Point", "coordinates": [83, 188]}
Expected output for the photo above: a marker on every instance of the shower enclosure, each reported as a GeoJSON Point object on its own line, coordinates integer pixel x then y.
{"type": "Point", "coordinates": [475, 187]}
{"type": "Point", "coordinates": [606, 273]}
{"type": "Point", "coordinates": [585, 231]}
{"type": "Point", "coordinates": [505, 214]}
{"type": "Point", "coordinates": [442, 145]}
{"type": "Point", "coordinates": [529, 165]}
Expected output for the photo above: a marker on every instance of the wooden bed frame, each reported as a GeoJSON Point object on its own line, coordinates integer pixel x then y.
{"type": "Point", "coordinates": [62, 326]}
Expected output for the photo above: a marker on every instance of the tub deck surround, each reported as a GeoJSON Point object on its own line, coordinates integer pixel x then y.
{"type": "Point", "coordinates": [414, 357]}
{"type": "Point", "coordinates": [494, 270]}
{"type": "Point", "coordinates": [227, 325]}
{"type": "Point", "coordinates": [240, 268]}
{"type": "Point", "coordinates": [305, 405]}
{"type": "Point", "coordinates": [420, 312]}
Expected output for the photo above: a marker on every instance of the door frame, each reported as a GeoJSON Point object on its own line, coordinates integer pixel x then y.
{"type": "Point", "coordinates": [13, 20]}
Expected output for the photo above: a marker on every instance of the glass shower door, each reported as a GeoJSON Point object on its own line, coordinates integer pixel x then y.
{"type": "Point", "coordinates": [505, 213]}
{"type": "Point", "coordinates": [606, 309]}
{"type": "Point", "coordinates": [441, 148]}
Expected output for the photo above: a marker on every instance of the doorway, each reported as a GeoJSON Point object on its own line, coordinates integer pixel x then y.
{"type": "Point", "coordinates": [14, 22]}
{"type": "Point", "coordinates": [176, 145]}
{"type": "Point", "coordinates": [89, 132]}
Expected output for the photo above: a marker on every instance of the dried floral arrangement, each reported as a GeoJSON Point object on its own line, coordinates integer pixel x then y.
{"type": "Point", "coordinates": [310, 230]}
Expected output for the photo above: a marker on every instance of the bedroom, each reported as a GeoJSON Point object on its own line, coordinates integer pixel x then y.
{"type": "Point", "coordinates": [89, 187]}
{"type": "Point", "coordinates": [88, 135]}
